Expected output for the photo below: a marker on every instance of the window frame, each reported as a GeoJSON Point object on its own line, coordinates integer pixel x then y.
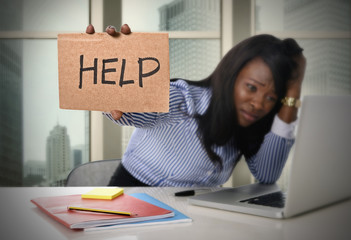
{"type": "Point", "coordinates": [300, 35]}
{"type": "Point", "coordinates": [103, 131]}
{"type": "Point", "coordinates": [42, 35]}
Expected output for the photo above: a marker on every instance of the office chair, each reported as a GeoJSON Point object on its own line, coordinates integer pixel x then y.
{"type": "Point", "coordinates": [97, 173]}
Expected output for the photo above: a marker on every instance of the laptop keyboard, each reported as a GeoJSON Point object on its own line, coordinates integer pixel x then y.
{"type": "Point", "coordinates": [276, 199]}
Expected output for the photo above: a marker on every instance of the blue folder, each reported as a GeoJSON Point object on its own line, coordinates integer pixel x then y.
{"type": "Point", "coordinates": [178, 216]}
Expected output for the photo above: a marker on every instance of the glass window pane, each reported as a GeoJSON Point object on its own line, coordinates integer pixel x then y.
{"type": "Point", "coordinates": [193, 59]}
{"type": "Point", "coordinates": [328, 66]}
{"type": "Point", "coordinates": [51, 135]}
{"type": "Point", "coordinates": [303, 15]}
{"type": "Point", "coordinates": [327, 73]}
{"type": "Point", "coordinates": [171, 15]}
{"type": "Point", "coordinates": [44, 15]}
{"type": "Point", "coordinates": [52, 141]}
{"type": "Point", "coordinates": [35, 135]}
{"type": "Point", "coordinates": [11, 114]}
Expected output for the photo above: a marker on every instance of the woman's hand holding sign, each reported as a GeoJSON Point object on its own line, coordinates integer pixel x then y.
{"type": "Point", "coordinates": [111, 30]}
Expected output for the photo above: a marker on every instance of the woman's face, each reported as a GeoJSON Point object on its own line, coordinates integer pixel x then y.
{"type": "Point", "coordinates": [254, 92]}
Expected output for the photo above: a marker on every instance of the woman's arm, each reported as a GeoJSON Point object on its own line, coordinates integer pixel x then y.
{"type": "Point", "coordinates": [287, 113]}
{"type": "Point", "coordinates": [181, 106]}
{"type": "Point", "coordinates": [267, 164]}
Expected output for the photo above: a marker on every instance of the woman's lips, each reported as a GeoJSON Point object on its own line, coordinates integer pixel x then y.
{"type": "Point", "coordinates": [249, 117]}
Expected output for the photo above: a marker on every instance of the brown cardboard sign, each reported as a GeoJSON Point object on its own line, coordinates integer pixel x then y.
{"type": "Point", "coordinates": [99, 72]}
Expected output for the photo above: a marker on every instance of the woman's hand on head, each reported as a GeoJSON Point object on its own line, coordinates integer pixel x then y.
{"type": "Point", "coordinates": [295, 83]}
{"type": "Point", "coordinates": [111, 30]}
{"type": "Point", "coordinates": [299, 72]}
{"type": "Point", "coordinates": [286, 113]}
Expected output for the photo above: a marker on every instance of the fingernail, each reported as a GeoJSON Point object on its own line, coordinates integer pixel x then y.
{"type": "Point", "coordinates": [125, 29]}
{"type": "Point", "coordinates": [111, 30]}
{"type": "Point", "coordinates": [114, 114]}
{"type": "Point", "coordinates": [111, 27]}
{"type": "Point", "coordinates": [90, 29]}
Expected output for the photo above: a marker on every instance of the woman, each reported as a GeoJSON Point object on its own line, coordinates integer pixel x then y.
{"type": "Point", "coordinates": [247, 106]}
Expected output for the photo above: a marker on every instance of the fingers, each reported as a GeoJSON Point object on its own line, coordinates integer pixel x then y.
{"type": "Point", "coordinates": [111, 30]}
{"type": "Point", "coordinates": [125, 29]}
{"type": "Point", "coordinates": [90, 29]}
{"type": "Point", "coordinates": [116, 114]}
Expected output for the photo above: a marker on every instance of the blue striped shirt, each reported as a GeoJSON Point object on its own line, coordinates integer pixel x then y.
{"type": "Point", "coordinates": [165, 149]}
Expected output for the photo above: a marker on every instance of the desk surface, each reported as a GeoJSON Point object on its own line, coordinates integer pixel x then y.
{"type": "Point", "coordinates": [20, 219]}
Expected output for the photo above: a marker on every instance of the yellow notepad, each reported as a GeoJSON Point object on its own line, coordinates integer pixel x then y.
{"type": "Point", "coordinates": [103, 193]}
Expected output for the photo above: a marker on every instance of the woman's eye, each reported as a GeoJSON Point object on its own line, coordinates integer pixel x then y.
{"type": "Point", "coordinates": [271, 99]}
{"type": "Point", "coordinates": [251, 87]}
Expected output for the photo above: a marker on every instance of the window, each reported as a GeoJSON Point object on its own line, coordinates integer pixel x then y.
{"type": "Point", "coordinates": [39, 143]}
{"type": "Point", "coordinates": [323, 29]}
{"type": "Point", "coordinates": [194, 31]}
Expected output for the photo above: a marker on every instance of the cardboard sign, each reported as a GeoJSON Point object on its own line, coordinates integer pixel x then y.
{"type": "Point", "coordinates": [99, 72]}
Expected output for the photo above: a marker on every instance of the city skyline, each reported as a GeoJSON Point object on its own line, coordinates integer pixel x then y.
{"type": "Point", "coordinates": [60, 159]}
{"type": "Point", "coordinates": [40, 74]}
{"type": "Point", "coordinates": [41, 100]}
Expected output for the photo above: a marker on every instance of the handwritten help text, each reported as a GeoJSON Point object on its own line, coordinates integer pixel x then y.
{"type": "Point", "coordinates": [108, 67]}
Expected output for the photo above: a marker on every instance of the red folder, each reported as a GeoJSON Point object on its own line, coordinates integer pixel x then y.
{"type": "Point", "coordinates": [57, 208]}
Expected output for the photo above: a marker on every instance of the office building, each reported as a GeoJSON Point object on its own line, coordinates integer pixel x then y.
{"type": "Point", "coordinates": [35, 168]}
{"type": "Point", "coordinates": [192, 59]}
{"type": "Point", "coordinates": [328, 59]}
{"type": "Point", "coordinates": [11, 114]}
{"type": "Point", "coordinates": [77, 157]}
{"type": "Point", "coordinates": [34, 172]}
{"type": "Point", "coordinates": [58, 156]}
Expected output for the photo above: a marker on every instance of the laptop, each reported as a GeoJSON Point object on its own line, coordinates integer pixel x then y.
{"type": "Point", "coordinates": [320, 168]}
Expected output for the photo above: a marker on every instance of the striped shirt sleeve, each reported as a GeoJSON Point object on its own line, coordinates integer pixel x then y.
{"type": "Point", "coordinates": [181, 105]}
{"type": "Point", "coordinates": [268, 163]}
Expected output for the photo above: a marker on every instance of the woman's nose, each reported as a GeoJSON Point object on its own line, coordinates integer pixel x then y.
{"type": "Point", "coordinates": [257, 103]}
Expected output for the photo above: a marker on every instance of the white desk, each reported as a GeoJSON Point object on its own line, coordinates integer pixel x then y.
{"type": "Point", "coordinates": [20, 219]}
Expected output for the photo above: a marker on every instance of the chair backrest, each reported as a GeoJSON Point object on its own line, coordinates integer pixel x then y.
{"type": "Point", "coordinates": [97, 173]}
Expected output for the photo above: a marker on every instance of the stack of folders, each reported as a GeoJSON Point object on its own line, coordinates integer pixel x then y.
{"type": "Point", "coordinates": [138, 209]}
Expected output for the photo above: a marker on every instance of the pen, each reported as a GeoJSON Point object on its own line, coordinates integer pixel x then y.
{"type": "Point", "coordinates": [99, 210]}
{"type": "Point", "coordinates": [185, 193]}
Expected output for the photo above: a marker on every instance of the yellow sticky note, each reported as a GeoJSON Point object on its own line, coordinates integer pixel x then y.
{"type": "Point", "coordinates": [103, 193]}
